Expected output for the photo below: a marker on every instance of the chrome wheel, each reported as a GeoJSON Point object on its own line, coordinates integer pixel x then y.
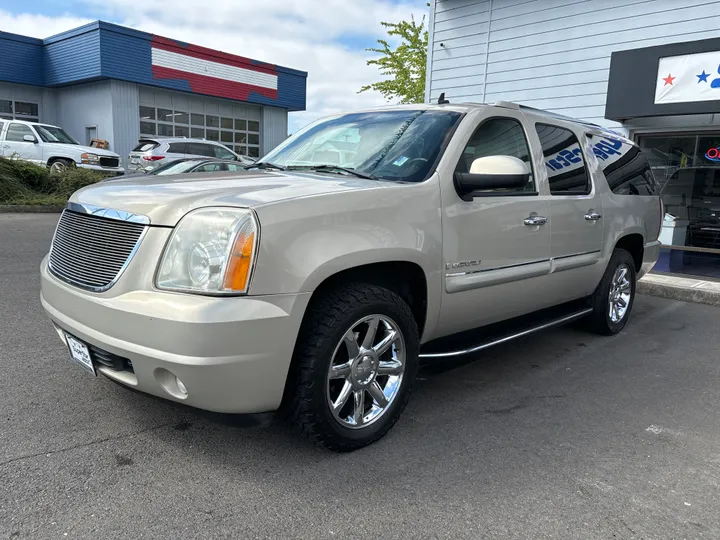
{"type": "Point", "coordinates": [620, 292]}
{"type": "Point", "coordinates": [58, 167]}
{"type": "Point", "coordinates": [366, 371]}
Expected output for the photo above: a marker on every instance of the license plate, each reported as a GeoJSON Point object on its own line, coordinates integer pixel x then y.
{"type": "Point", "coordinates": [79, 353]}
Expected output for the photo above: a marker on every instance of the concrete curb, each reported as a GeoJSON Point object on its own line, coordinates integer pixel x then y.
{"type": "Point", "coordinates": [677, 288]}
{"type": "Point", "coordinates": [30, 208]}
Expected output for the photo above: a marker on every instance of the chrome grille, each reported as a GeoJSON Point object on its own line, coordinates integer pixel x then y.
{"type": "Point", "coordinates": [91, 252]}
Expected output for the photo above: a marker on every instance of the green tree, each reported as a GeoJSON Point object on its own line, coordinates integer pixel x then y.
{"type": "Point", "coordinates": [405, 65]}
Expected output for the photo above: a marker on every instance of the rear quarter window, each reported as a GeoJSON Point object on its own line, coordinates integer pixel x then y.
{"type": "Point", "coordinates": [626, 169]}
{"type": "Point", "coordinates": [145, 146]}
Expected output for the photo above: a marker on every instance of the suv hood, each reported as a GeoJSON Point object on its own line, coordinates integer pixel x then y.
{"type": "Point", "coordinates": [80, 149]}
{"type": "Point", "coordinates": [166, 199]}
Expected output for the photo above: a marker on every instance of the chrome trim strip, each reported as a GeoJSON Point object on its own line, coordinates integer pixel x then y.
{"type": "Point", "coordinates": [496, 277]}
{"type": "Point", "coordinates": [85, 286]}
{"type": "Point", "coordinates": [456, 274]}
{"type": "Point", "coordinates": [108, 213]}
{"type": "Point", "coordinates": [576, 255]}
{"type": "Point", "coordinates": [489, 344]}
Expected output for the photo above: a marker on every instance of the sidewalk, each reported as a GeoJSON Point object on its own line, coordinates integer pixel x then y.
{"type": "Point", "coordinates": [686, 289]}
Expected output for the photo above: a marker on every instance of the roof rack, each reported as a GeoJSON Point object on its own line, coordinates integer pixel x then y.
{"type": "Point", "coordinates": [517, 106]}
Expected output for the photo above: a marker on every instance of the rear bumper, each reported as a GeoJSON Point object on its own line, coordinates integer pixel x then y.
{"type": "Point", "coordinates": [650, 257]}
{"type": "Point", "coordinates": [231, 354]}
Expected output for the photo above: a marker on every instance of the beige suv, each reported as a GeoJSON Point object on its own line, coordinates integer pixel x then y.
{"type": "Point", "coordinates": [367, 242]}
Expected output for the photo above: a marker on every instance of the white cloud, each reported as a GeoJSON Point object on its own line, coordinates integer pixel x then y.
{"type": "Point", "coordinates": [302, 34]}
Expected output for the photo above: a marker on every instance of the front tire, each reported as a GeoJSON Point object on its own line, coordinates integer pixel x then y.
{"type": "Point", "coordinates": [353, 367]}
{"type": "Point", "coordinates": [59, 166]}
{"type": "Point", "coordinates": [614, 297]}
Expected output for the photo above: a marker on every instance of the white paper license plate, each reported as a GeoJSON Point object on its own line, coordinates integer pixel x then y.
{"type": "Point", "coordinates": [79, 353]}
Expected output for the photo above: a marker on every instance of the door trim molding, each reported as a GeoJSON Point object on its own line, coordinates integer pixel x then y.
{"type": "Point", "coordinates": [498, 275]}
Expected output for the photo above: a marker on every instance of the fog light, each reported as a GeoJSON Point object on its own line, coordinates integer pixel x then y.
{"type": "Point", "coordinates": [181, 386]}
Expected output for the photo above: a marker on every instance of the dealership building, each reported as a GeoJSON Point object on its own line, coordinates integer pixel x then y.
{"type": "Point", "coordinates": [108, 82]}
{"type": "Point", "coordinates": [649, 69]}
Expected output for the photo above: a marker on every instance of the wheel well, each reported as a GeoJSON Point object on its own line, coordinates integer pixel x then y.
{"type": "Point", "coordinates": [634, 244]}
{"type": "Point", "coordinates": [52, 160]}
{"type": "Point", "coordinates": [404, 278]}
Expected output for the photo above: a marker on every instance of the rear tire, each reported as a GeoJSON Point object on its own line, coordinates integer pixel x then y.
{"type": "Point", "coordinates": [353, 368]}
{"type": "Point", "coordinates": [613, 299]}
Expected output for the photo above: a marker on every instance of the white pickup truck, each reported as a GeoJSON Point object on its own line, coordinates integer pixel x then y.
{"type": "Point", "coordinates": [54, 147]}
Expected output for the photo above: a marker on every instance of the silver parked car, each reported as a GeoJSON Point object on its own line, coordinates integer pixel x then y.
{"type": "Point", "coordinates": [318, 280]}
{"type": "Point", "coordinates": [155, 151]}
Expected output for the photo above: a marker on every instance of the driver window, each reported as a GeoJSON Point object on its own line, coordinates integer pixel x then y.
{"type": "Point", "coordinates": [498, 137]}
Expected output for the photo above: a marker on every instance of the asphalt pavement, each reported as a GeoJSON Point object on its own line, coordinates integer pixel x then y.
{"type": "Point", "coordinates": [559, 435]}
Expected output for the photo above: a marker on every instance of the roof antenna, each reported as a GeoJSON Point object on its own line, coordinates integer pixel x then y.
{"type": "Point", "coordinates": [442, 100]}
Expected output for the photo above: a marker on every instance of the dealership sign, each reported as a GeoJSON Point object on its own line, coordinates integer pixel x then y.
{"type": "Point", "coordinates": [688, 78]}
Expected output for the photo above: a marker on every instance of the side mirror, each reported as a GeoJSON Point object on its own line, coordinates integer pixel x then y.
{"type": "Point", "coordinates": [29, 138]}
{"type": "Point", "coordinates": [492, 172]}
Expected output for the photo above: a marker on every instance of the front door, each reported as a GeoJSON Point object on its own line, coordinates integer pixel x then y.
{"type": "Point", "coordinates": [496, 247]}
{"type": "Point", "coordinates": [15, 145]}
{"type": "Point", "coordinates": [575, 224]}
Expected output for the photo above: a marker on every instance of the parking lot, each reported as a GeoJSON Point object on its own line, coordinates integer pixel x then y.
{"type": "Point", "coordinates": [559, 435]}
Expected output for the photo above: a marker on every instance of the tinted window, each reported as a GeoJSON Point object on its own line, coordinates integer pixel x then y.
{"type": "Point", "coordinates": [16, 132]}
{"type": "Point", "coordinates": [1, 127]}
{"type": "Point", "coordinates": [223, 153]}
{"type": "Point", "coordinates": [234, 167]}
{"type": "Point", "coordinates": [200, 149]}
{"type": "Point", "coordinates": [498, 137]}
{"type": "Point", "coordinates": [626, 169]}
{"type": "Point", "coordinates": [145, 146]}
{"type": "Point", "coordinates": [564, 161]}
{"type": "Point", "coordinates": [177, 148]}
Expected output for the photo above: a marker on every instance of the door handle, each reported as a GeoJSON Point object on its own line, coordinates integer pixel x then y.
{"type": "Point", "coordinates": [592, 215]}
{"type": "Point", "coordinates": [534, 221]}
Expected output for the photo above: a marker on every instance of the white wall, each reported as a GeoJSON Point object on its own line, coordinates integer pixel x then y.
{"type": "Point", "coordinates": [83, 105]}
{"type": "Point", "coordinates": [550, 54]}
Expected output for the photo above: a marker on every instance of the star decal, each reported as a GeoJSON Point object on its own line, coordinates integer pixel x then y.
{"type": "Point", "coordinates": [702, 77]}
{"type": "Point", "coordinates": [669, 79]}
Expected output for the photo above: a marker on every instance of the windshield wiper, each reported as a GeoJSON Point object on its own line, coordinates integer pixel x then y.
{"type": "Point", "coordinates": [331, 168]}
{"type": "Point", "coordinates": [265, 165]}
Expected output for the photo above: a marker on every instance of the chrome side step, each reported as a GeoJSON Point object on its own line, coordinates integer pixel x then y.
{"type": "Point", "coordinates": [509, 337]}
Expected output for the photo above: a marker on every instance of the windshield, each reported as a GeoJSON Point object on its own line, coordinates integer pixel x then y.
{"type": "Point", "coordinates": [401, 145]}
{"type": "Point", "coordinates": [176, 167]}
{"type": "Point", "coordinates": [52, 134]}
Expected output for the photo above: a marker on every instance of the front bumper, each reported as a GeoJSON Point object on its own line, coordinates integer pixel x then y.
{"type": "Point", "coordinates": [110, 171]}
{"type": "Point", "coordinates": [231, 354]}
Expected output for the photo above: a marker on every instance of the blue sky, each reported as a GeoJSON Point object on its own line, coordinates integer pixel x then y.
{"type": "Point", "coordinates": [326, 38]}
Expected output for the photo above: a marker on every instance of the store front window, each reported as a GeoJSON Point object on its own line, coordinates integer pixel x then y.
{"type": "Point", "coordinates": [688, 169]}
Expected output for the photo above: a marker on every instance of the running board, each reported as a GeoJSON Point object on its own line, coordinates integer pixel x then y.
{"type": "Point", "coordinates": [509, 337]}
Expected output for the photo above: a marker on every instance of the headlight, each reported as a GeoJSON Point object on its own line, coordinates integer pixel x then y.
{"type": "Point", "coordinates": [89, 158]}
{"type": "Point", "coordinates": [211, 251]}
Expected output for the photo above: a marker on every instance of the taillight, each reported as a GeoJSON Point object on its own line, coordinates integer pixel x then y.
{"type": "Point", "coordinates": [153, 158]}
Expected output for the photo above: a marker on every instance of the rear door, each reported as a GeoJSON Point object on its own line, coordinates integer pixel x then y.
{"type": "Point", "coordinates": [576, 211]}
{"type": "Point", "coordinates": [176, 150]}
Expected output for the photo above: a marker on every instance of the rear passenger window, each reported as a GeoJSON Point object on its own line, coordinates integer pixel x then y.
{"type": "Point", "coordinates": [564, 161]}
{"type": "Point", "coordinates": [177, 148]}
{"type": "Point", "coordinates": [626, 169]}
